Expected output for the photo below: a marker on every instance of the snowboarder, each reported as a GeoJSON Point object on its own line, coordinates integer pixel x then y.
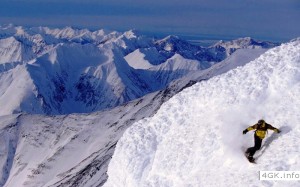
{"type": "Point", "coordinates": [261, 128]}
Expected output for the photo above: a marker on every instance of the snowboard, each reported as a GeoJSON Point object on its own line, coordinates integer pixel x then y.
{"type": "Point", "coordinates": [250, 160]}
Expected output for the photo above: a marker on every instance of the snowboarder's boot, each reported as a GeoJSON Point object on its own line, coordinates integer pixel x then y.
{"type": "Point", "coordinates": [250, 158]}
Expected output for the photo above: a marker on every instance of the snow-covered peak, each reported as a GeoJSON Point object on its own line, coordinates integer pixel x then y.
{"type": "Point", "coordinates": [195, 139]}
{"type": "Point", "coordinates": [168, 39]}
{"type": "Point", "coordinates": [72, 34]}
{"type": "Point", "coordinates": [131, 40]}
{"type": "Point", "coordinates": [56, 35]}
{"type": "Point", "coordinates": [130, 34]}
{"type": "Point", "coordinates": [173, 44]}
{"type": "Point", "coordinates": [242, 43]}
{"type": "Point", "coordinates": [12, 50]}
{"type": "Point", "coordinates": [175, 63]}
{"type": "Point", "coordinates": [8, 41]}
{"type": "Point", "coordinates": [67, 32]}
{"type": "Point", "coordinates": [20, 30]}
{"type": "Point", "coordinates": [170, 42]}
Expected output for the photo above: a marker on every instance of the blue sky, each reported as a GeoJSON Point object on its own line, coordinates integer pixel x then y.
{"type": "Point", "coordinates": [276, 20]}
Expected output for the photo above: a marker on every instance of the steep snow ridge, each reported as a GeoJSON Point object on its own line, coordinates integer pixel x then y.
{"type": "Point", "coordinates": [83, 78]}
{"type": "Point", "coordinates": [73, 74]}
{"type": "Point", "coordinates": [12, 50]}
{"type": "Point", "coordinates": [46, 147]}
{"type": "Point", "coordinates": [8, 144]}
{"type": "Point", "coordinates": [180, 67]}
{"type": "Point", "coordinates": [12, 101]}
{"type": "Point", "coordinates": [177, 62]}
{"type": "Point", "coordinates": [130, 41]}
{"type": "Point", "coordinates": [173, 44]}
{"type": "Point", "coordinates": [137, 60]}
{"type": "Point", "coordinates": [55, 36]}
{"type": "Point", "coordinates": [39, 150]}
{"type": "Point", "coordinates": [75, 35]}
{"type": "Point", "coordinates": [145, 58]}
{"type": "Point", "coordinates": [61, 81]}
{"type": "Point", "coordinates": [166, 48]}
{"type": "Point", "coordinates": [75, 78]}
{"type": "Point", "coordinates": [195, 139]}
{"type": "Point", "coordinates": [239, 58]}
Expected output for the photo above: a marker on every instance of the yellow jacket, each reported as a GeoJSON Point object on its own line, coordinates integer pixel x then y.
{"type": "Point", "coordinates": [261, 129]}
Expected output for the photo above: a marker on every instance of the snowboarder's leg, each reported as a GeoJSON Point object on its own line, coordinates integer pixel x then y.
{"type": "Point", "coordinates": [257, 142]}
{"type": "Point", "coordinates": [257, 146]}
{"type": "Point", "coordinates": [251, 151]}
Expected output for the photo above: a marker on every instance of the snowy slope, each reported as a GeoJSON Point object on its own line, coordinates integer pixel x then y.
{"type": "Point", "coordinates": [137, 60]}
{"type": "Point", "coordinates": [16, 87]}
{"type": "Point", "coordinates": [11, 50]}
{"type": "Point", "coordinates": [66, 150]}
{"type": "Point", "coordinates": [195, 139]}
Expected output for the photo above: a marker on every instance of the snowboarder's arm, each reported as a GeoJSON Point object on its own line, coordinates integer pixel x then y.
{"type": "Point", "coordinates": [273, 128]}
{"type": "Point", "coordinates": [253, 127]}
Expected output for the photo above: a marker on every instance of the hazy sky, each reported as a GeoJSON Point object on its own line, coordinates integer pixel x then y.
{"type": "Point", "coordinates": [263, 19]}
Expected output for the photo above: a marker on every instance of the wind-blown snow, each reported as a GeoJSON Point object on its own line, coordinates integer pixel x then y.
{"type": "Point", "coordinates": [195, 139]}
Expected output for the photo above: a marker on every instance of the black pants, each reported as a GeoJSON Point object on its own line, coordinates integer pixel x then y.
{"type": "Point", "coordinates": [257, 146]}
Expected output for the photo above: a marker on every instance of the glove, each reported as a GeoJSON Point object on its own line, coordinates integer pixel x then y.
{"type": "Point", "coordinates": [245, 131]}
{"type": "Point", "coordinates": [278, 131]}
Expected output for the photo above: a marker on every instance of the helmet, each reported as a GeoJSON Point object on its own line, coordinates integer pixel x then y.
{"type": "Point", "coordinates": [261, 121]}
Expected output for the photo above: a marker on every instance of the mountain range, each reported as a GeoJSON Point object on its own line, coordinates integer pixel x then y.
{"type": "Point", "coordinates": [62, 71]}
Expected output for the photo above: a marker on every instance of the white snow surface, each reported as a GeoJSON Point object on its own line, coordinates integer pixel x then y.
{"type": "Point", "coordinates": [136, 59]}
{"type": "Point", "coordinates": [65, 150]}
{"type": "Point", "coordinates": [12, 50]}
{"type": "Point", "coordinates": [177, 62]}
{"type": "Point", "coordinates": [195, 138]}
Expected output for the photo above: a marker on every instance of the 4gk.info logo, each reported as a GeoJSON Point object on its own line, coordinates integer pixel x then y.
{"type": "Point", "coordinates": [279, 175]}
